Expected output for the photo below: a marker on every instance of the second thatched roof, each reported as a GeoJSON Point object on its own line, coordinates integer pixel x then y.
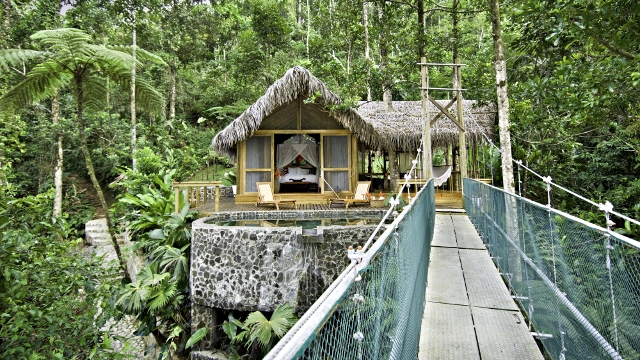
{"type": "Point", "coordinates": [400, 129]}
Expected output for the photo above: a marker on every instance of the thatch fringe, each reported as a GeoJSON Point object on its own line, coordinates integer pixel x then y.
{"type": "Point", "coordinates": [400, 129]}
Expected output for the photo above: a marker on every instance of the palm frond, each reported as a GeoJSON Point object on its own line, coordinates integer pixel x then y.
{"type": "Point", "coordinates": [260, 328]}
{"type": "Point", "coordinates": [147, 97]}
{"type": "Point", "coordinates": [175, 260]}
{"type": "Point", "coordinates": [282, 320]}
{"type": "Point", "coordinates": [109, 58]}
{"type": "Point", "coordinates": [161, 295]}
{"type": "Point", "coordinates": [43, 81]}
{"type": "Point", "coordinates": [95, 93]}
{"type": "Point", "coordinates": [141, 54]}
{"type": "Point", "coordinates": [15, 57]}
{"type": "Point", "coordinates": [133, 297]}
{"type": "Point", "coordinates": [56, 37]}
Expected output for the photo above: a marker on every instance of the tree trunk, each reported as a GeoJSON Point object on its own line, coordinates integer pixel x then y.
{"type": "Point", "coordinates": [6, 15]}
{"type": "Point", "coordinates": [510, 203]}
{"type": "Point", "coordinates": [57, 174]}
{"type": "Point", "coordinates": [134, 135]}
{"type": "Point", "coordinates": [503, 99]}
{"type": "Point", "coordinates": [420, 35]}
{"type": "Point", "coordinates": [367, 50]}
{"type": "Point", "coordinates": [172, 97]}
{"type": "Point", "coordinates": [454, 15]}
{"type": "Point", "coordinates": [308, 27]}
{"type": "Point", "coordinates": [94, 180]}
{"type": "Point", "coordinates": [387, 83]}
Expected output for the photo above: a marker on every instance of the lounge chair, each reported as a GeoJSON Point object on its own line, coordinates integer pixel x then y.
{"type": "Point", "coordinates": [265, 196]}
{"type": "Point", "coordinates": [360, 197]}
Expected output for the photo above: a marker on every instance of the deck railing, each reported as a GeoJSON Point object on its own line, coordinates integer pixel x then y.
{"type": "Point", "coordinates": [196, 193]}
{"type": "Point", "coordinates": [578, 283]}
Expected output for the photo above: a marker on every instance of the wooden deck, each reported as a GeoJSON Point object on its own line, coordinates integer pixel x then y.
{"type": "Point", "coordinates": [444, 200]}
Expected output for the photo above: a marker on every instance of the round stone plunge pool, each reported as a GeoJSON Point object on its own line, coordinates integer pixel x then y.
{"type": "Point", "coordinates": [257, 260]}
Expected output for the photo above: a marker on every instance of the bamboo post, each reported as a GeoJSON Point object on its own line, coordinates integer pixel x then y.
{"type": "Point", "coordinates": [217, 201]}
{"type": "Point", "coordinates": [450, 163]}
{"type": "Point", "coordinates": [426, 124]}
{"type": "Point", "coordinates": [197, 195]}
{"type": "Point", "coordinates": [461, 132]}
{"type": "Point", "coordinates": [176, 199]}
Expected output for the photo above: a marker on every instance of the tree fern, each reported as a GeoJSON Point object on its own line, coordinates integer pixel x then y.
{"type": "Point", "coordinates": [71, 60]}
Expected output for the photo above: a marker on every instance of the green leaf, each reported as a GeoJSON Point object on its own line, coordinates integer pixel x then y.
{"type": "Point", "coordinates": [157, 234]}
{"type": "Point", "coordinates": [197, 336]}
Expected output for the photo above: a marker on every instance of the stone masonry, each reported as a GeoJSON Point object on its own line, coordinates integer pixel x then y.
{"type": "Point", "coordinates": [258, 268]}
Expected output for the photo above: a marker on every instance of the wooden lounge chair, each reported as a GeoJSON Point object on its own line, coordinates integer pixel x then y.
{"type": "Point", "coordinates": [265, 196]}
{"type": "Point", "coordinates": [360, 197]}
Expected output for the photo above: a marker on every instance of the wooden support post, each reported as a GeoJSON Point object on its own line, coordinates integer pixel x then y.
{"type": "Point", "coordinates": [461, 132]}
{"type": "Point", "coordinates": [427, 171]}
{"type": "Point", "coordinates": [197, 188]}
{"type": "Point", "coordinates": [217, 201]}
{"type": "Point", "coordinates": [176, 199]}
{"type": "Point", "coordinates": [450, 163]}
{"type": "Point", "coordinates": [475, 159]}
{"type": "Point", "coordinates": [393, 170]}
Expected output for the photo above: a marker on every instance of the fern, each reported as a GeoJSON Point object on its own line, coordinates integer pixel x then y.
{"type": "Point", "coordinates": [71, 60]}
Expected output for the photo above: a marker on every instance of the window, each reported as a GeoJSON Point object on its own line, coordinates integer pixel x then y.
{"type": "Point", "coordinates": [336, 163]}
{"type": "Point", "coordinates": [258, 161]}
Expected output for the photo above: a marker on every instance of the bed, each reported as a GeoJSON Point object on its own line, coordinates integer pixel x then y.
{"type": "Point", "coordinates": [297, 174]}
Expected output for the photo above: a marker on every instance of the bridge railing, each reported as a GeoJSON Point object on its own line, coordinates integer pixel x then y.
{"type": "Point", "coordinates": [578, 283]}
{"type": "Point", "coordinates": [374, 309]}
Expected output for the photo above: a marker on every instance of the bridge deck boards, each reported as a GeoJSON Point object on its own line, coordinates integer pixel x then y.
{"type": "Point", "coordinates": [469, 313]}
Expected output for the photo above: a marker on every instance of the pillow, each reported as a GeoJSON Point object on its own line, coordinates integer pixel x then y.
{"type": "Point", "coordinates": [302, 171]}
{"type": "Point", "coordinates": [293, 171]}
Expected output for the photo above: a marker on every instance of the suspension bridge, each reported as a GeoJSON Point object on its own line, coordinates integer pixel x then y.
{"type": "Point", "coordinates": [510, 279]}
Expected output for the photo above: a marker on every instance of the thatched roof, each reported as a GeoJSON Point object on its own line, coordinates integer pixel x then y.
{"type": "Point", "coordinates": [402, 127]}
{"type": "Point", "coordinates": [371, 124]}
{"type": "Point", "coordinates": [296, 82]}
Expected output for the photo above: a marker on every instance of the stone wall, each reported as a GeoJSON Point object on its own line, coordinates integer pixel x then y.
{"type": "Point", "coordinates": [258, 268]}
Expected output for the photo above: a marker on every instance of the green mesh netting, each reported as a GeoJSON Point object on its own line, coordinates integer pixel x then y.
{"type": "Point", "coordinates": [379, 316]}
{"type": "Point", "coordinates": [577, 282]}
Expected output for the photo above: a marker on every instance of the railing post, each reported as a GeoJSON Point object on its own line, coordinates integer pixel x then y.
{"type": "Point", "coordinates": [217, 200]}
{"type": "Point", "coordinates": [176, 199]}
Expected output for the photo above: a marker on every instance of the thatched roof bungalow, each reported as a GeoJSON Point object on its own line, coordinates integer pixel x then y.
{"type": "Point", "coordinates": [298, 104]}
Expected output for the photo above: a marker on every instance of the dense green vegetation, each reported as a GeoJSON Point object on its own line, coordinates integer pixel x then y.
{"type": "Point", "coordinates": [574, 82]}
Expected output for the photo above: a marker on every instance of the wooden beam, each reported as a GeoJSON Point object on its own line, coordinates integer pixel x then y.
{"type": "Point", "coordinates": [445, 112]}
{"type": "Point", "coordinates": [427, 171]}
{"type": "Point", "coordinates": [299, 114]}
{"type": "Point", "coordinates": [437, 117]}
{"type": "Point", "coordinates": [462, 139]}
{"type": "Point", "coordinates": [295, 132]}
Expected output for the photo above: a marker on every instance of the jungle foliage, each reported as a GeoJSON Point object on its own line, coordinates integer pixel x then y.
{"type": "Point", "coordinates": [574, 81]}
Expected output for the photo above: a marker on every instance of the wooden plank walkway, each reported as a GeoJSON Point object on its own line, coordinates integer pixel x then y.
{"type": "Point", "coordinates": [469, 312]}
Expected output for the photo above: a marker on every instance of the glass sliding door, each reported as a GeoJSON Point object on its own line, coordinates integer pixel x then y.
{"type": "Point", "coordinates": [335, 156]}
{"type": "Point", "coordinates": [258, 161]}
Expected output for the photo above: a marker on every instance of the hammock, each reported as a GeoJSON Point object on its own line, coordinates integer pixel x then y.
{"type": "Point", "coordinates": [441, 174]}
